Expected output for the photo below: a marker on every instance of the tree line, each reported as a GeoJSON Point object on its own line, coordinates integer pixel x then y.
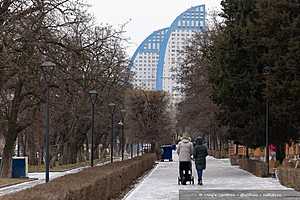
{"type": "Point", "coordinates": [87, 57]}
{"type": "Point", "coordinates": [245, 62]}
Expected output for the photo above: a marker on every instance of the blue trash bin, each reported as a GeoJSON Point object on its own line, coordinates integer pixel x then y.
{"type": "Point", "coordinates": [174, 147]}
{"type": "Point", "coordinates": [167, 152]}
{"type": "Point", "coordinates": [19, 167]}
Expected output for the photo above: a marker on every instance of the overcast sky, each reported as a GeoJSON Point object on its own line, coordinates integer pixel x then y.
{"type": "Point", "coordinates": [145, 16]}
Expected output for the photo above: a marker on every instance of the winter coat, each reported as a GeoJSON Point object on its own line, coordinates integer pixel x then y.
{"type": "Point", "coordinates": [200, 153]}
{"type": "Point", "coordinates": [185, 150]}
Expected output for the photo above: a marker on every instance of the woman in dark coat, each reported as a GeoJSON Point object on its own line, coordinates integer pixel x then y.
{"type": "Point", "coordinates": [200, 153]}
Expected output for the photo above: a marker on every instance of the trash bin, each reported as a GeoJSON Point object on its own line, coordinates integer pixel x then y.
{"type": "Point", "coordinates": [174, 147]}
{"type": "Point", "coordinates": [166, 152]}
{"type": "Point", "coordinates": [19, 167]}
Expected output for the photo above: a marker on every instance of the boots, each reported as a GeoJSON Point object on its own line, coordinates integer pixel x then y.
{"type": "Point", "coordinates": [200, 182]}
{"type": "Point", "coordinates": [183, 180]}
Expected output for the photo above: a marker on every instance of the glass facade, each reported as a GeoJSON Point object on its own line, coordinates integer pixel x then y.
{"type": "Point", "coordinates": [156, 60]}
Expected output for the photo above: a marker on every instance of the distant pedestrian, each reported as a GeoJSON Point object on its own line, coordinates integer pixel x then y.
{"type": "Point", "coordinates": [199, 154]}
{"type": "Point", "coordinates": [185, 151]}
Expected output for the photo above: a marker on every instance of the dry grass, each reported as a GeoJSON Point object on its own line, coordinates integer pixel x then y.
{"type": "Point", "coordinates": [4, 182]}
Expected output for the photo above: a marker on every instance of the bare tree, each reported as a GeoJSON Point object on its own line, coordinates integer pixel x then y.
{"type": "Point", "coordinates": [86, 57]}
{"type": "Point", "coordinates": [197, 113]}
{"type": "Point", "coordinates": [149, 118]}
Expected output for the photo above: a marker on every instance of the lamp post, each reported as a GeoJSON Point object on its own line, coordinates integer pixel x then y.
{"type": "Point", "coordinates": [112, 109]}
{"type": "Point", "coordinates": [267, 133]}
{"type": "Point", "coordinates": [266, 73]}
{"type": "Point", "coordinates": [93, 96]}
{"type": "Point", "coordinates": [47, 68]}
{"type": "Point", "coordinates": [122, 124]}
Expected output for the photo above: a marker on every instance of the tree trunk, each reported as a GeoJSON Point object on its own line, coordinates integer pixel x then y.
{"type": "Point", "coordinates": [138, 149]}
{"type": "Point", "coordinates": [153, 145]}
{"type": "Point", "coordinates": [33, 151]}
{"type": "Point", "coordinates": [80, 154]}
{"type": "Point", "coordinates": [53, 160]}
{"type": "Point", "coordinates": [247, 152]}
{"type": "Point", "coordinates": [6, 164]}
{"type": "Point", "coordinates": [142, 150]}
{"type": "Point", "coordinates": [11, 134]}
{"type": "Point", "coordinates": [18, 146]}
{"type": "Point", "coordinates": [87, 154]}
{"type": "Point", "coordinates": [103, 151]}
{"type": "Point", "coordinates": [69, 153]}
{"type": "Point", "coordinates": [25, 145]}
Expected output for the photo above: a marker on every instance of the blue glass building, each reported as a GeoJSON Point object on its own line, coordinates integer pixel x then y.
{"type": "Point", "coordinates": [155, 61]}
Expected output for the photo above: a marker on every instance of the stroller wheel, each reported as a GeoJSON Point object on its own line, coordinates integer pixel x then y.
{"type": "Point", "coordinates": [178, 181]}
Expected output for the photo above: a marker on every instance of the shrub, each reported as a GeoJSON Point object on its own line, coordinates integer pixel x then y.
{"type": "Point", "coordinates": [98, 183]}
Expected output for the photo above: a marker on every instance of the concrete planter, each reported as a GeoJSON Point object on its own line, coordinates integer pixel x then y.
{"type": "Point", "coordinates": [234, 160]}
{"type": "Point", "coordinates": [289, 177]}
{"type": "Point", "coordinates": [258, 168]}
{"type": "Point", "coordinates": [297, 179]}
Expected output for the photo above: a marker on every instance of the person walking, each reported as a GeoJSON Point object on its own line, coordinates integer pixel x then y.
{"type": "Point", "coordinates": [184, 151]}
{"type": "Point", "coordinates": [199, 154]}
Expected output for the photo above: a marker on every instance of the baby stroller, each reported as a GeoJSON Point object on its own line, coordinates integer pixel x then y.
{"type": "Point", "coordinates": [185, 173]}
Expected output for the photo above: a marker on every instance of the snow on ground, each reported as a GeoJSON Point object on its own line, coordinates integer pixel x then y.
{"type": "Point", "coordinates": [40, 178]}
{"type": "Point", "coordinates": [161, 183]}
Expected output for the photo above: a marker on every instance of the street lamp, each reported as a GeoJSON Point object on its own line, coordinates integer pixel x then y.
{"type": "Point", "coordinates": [131, 150]}
{"type": "Point", "coordinates": [266, 72]}
{"type": "Point", "coordinates": [112, 109]}
{"type": "Point", "coordinates": [93, 96]}
{"type": "Point", "coordinates": [47, 69]}
{"type": "Point", "coordinates": [122, 124]}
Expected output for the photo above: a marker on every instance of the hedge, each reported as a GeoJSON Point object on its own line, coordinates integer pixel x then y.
{"type": "Point", "coordinates": [98, 183]}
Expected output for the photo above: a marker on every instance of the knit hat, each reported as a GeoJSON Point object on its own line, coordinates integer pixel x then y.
{"type": "Point", "coordinates": [199, 140]}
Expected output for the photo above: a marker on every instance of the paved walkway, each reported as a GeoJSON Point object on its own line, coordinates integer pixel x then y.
{"type": "Point", "coordinates": [161, 183]}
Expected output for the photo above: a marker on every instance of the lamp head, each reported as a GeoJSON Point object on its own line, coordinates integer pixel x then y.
{"type": "Point", "coordinates": [93, 96]}
{"type": "Point", "coordinates": [47, 68]}
{"type": "Point", "coordinates": [48, 65]}
{"type": "Point", "coordinates": [123, 111]}
{"type": "Point", "coordinates": [112, 107]}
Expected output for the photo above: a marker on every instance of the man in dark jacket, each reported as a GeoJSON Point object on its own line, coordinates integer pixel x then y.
{"type": "Point", "coordinates": [200, 153]}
